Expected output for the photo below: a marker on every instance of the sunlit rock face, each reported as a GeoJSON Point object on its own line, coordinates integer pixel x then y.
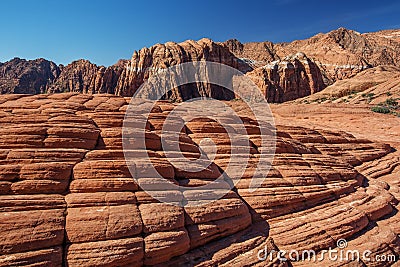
{"type": "Point", "coordinates": [288, 79]}
{"type": "Point", "coordinates": [283, 71]}
{"type": "Point", "coordinates": [68, 198]}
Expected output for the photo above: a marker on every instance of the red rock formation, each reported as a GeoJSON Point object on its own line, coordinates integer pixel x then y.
{"type": "Point", "coordinates": [67, 197]}
{"type": "Point", "coordinates": [85, 77]}
{"type": "Point", "coordinates": [291, 78]}
{"type": "Point", "coordinates": [374, 85]}
{"type": "Point", "coordinates": [252, 55]}
{"type": "Point", "coordinates": [336, 55]}
{"type": "Point", "coordinates": [339, 54]}
{"type": "Point", "coordinates": [148, 61]}
{"type": "Point", "coordinates": [19, 76]}
{"type": "Point", "coordinates": [342, 53]}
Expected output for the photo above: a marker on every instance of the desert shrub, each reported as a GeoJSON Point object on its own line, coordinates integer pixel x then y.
{"type": "Point", "coordinates": [353, 92]}
{"type": "Point", "coordinates": [381, 109]}
{"type": "Point", "coordinates": [370, 95]}
{"type": "Point", "coordinates": [391, 102]}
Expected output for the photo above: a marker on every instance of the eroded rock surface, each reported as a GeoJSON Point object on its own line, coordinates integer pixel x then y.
{"type": "Point", "coordinates": [372, 86]}
{"type": "Point", "coordinates": [19, 76]}
{"type": "Point", "coordinates": [284, 71]}
{"type": "Point", "coordinates": [67, 196]}
{"type": "Point", "coordinates": [288, 79]}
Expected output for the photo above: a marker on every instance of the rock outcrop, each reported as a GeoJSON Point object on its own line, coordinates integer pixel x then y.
{"type": "Point", "coordinates": [342, 53]}
{"type": "Point", "coordinates": [339, 54]}
{"type": "Point", "coordinates": [85, 77]}
{"type": "Point", "coordinates": [19, 76]}
{"type": "Point", "coordinates": [325, 58]}
{"type": "Point", "coordinates": [148, 61]}
{"type": "Point", "coordinates": [68, 198]}
{"type": "Point", "coordinates": [372, 86]}
{"type": "Point", "coordinates": [288, 79]}
{"type": "Point", "coordinates": [252, 55]}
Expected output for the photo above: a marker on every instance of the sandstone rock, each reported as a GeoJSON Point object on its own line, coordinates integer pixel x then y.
{"type": "Point", "coordinates": [31, 230]}
{"type": "Point", "coordinates": [252, 55]}
{"type": "Point", "coordinates": [85, 77]}
{"type": "Point", "coordinates": [284, 71]}
{"type": "Point", "coordinates": [288, 79]}
{"type": "Point", "coordinates": [162, 246]}
{"type": "Point", "coordinates": [159, 217]}
{"type": "Point", "coordinates": [344, 52]}
{"type": "Point", "coordinates": [373, 85]}
{"type": "Point", "coordinates": [75, 204]}
{"type": "Point", "coordinates": [21, 76]}
{"type": "Point", "coordinates": [44, 257]}
{"type": "Point", "coordinates": [86, 224]}
{"type": "Point", "coordinates": [120, 252]}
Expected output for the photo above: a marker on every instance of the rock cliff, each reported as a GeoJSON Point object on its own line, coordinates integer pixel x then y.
{"type": "Point", "coordinates": [277, 67]}
{"type": "Point", "coordinates": [147, 61]}
{"type": "Point", "coordinates": [19, 76]}
{"type": "Point", "coordinates": [287, 79]}
{"type": "Point", "coordinates": [85, 77]}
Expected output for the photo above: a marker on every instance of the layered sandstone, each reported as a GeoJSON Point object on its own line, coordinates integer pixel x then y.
{"type": "Point", "coordinates": [148, 61]}
{"type": "Point", "coordinates": [325, 58]}
{"type": "Point", "coordinates": [68, 198]}
{"type": "Point", "coordinates": [288, 79]}
{"type": "Point", "coordinates": [19, 76]}
{"type": "Point", "coordinates": [85, 77]}
{"type": "Point", "coordinates": [339, 54]}
{"type": "Point", "coordinates": [342, 53]}
{"type": "Point", "coordinates": [372, 86]}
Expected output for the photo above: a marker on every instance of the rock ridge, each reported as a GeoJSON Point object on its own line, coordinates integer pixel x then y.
{"type": "Point", "coordinates": [336, 55]}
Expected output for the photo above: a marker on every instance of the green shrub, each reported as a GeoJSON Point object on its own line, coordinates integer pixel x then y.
{"type": "Point", "coordinates": [391, 102]}
{"type": "Point", "coordinates": [368, 96]}
{"type": "Point", "coordinates": [353, 92]}
{"type": "Point", "coordinates": [381, 109]}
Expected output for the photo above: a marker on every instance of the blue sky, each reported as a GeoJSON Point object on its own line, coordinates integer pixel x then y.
{"type": "Point", "coordinates": [105, 31]}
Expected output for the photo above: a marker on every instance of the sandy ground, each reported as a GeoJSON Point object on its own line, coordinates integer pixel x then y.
{"type": "Point", "coordinates": [356, 119]}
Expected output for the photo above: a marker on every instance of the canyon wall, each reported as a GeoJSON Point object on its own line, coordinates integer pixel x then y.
{"type": "Point", "coordinates": [283, 71]}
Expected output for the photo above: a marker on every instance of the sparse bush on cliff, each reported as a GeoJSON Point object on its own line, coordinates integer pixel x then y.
{"type": "Point", "coordinates": [380, 109]}
{"type": "Point", "coordinates": [391, 102]}
{"type": "Point", "coordinates": [389, 106]}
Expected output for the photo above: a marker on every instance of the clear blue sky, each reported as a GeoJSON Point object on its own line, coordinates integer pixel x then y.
{"type": "Point", "coordinates": [105, 31]}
